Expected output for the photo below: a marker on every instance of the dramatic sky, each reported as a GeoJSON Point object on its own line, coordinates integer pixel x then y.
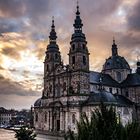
{"type": "Point", "coordinates": [24, 31]}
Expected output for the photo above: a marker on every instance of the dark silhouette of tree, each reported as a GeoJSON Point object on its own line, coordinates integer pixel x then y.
{"type": "Point", "coordinates": [104, 125]}
{"type": "Point", "coordinates": [25, 133]}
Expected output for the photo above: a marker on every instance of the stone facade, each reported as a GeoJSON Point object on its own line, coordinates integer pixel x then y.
{"type": "Point", "coordinates": [70, 90]}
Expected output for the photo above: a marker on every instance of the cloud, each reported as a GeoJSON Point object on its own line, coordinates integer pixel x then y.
{"type": "Point", "coordinates": [25, 27]}
{"type": "Point", "coordinates": [8, 87]}
{"type": "Point", "coordinates": [14, 8]}
{"type": "Point", "coordinates": [10, 52]}
{"type": "Point", "coordinates": [11, 44]}
{"type": "Point", "coordinates": [134, 17]}
{"type": "Point", "coordinates": [8, 25]}
{"type": "Point", "coordinates": [17, 102]}
{"type": "Point", "coordinates": [1, 68]}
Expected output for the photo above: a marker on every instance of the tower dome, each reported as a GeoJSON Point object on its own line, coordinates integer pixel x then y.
{"type": "Point", "coordinates": [37, 103]}
{"type": "Point", "coordinates": [116, 62]}
{"type": "Point", "coordinates": [116, 66]}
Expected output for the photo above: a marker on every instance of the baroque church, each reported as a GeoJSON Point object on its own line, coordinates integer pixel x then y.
{"type": "Point", "coordinates": [72, 89]}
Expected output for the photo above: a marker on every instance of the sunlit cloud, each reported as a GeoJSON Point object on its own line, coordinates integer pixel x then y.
{"type": "Point", "coordinates": [25, 27]}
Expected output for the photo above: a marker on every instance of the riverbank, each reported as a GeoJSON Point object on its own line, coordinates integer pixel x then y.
{"type": "Point", "coordinates": [6, 134]}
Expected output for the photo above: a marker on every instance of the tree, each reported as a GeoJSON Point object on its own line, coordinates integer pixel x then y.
{"type": "Point", "coordinates": [133, 131]}
{"type": "Point", "coordinates": [104, 125]}
{"type": "Point", "coordinates": [25, 134]}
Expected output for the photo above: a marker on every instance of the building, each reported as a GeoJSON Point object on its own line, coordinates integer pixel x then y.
{"type": "Point", "coordinates": [10, 117]}
{"type": "Point", "coordinates": [5, 116]}
{"type": "Point", "coordinates": [69, 90]}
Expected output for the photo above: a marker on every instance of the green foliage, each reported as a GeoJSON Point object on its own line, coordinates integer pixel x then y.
{"type": "Point", "coordinates": [25, 133]}
{"type": "Point", "coordinates": [104, 125]}
{"type": "Point", "coordinates": [133, 131]}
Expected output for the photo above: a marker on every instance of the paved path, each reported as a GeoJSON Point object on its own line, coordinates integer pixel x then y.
{"type": "Point", "coordinates": [7, 135]}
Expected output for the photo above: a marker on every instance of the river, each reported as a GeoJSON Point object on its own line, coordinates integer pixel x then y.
{"type": "Point", "coordinates": [10, 135]}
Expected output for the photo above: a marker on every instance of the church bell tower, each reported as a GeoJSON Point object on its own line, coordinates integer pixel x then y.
{"type": "Point", "coordinates": [79, 58]}
{"type": "Point", "coordinates": [53, 57]}
{"type": "Point", "coordinates": [78, 54]}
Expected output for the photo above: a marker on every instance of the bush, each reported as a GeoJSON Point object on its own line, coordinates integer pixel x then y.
{"type": "Point", "coordinates": [25, 134]}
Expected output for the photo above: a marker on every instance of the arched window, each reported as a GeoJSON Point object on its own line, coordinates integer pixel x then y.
{"type": "Point", "coordinates": [73, 119]}
{"type": "Point", "coordinates": [56, 56]}
{"type": "Point", "coordinates": [119, 77]}
{"type": "Point", "coordinates": [84, 60]}
{"type": "Point", "coordinates": [73, 47]}
{"type": "Point", "coordinates": [84, 47]}
{"type": "Point", "coordinates": [47, 67]}
{"type": "Point", "coordinates": [73, 60]}
{"type": "Point", "coordinates": [45, 117]}
{"type": "Point", "coordinates": [110, 90]}
{"type": "Point", "coordinates": [36, 117]}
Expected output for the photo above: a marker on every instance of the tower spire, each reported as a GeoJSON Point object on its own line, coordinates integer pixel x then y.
{"type": "Point", "coordinates": [53, 36]}
{"type": "Point", "coordinates": [78, 22]}
{"type": "Point", "coordinates": [53, 22]}
{"type": "Point", "coordinates": [53, 57]}
{"type": "Point", "coordinates": [77, 13]}
{"type": "Point", "coordinates": [114, 48]}
{"type": "Point", "coordinates": [78, 54]}
{"type": "Point", "coordinates": [113, 40]}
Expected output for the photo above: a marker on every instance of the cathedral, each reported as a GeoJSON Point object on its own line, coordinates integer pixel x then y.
{"type": "Point", "coordinates": [72, 89]}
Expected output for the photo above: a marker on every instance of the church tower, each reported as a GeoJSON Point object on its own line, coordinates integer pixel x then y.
{"type": "Point", "coordinates": [78, 54]}
{"type": "Point", "coordinates": [53, 57]}
{"type": "Point", "coordinates": [79, 58]}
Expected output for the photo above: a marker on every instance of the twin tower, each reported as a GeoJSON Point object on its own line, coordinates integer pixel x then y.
{"type": "Point", "coordinates": [78, 53]}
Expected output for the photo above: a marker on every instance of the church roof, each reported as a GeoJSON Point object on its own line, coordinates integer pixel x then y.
{"type": "Point", "coordinates": [132, 80]}
{"type": "Point", "coordinates": [116, 62]}
{"type": "Point", "coordinates": [53, 47]}
{"type": "Point", "coordinates": [106, 79]}
{"type": "Point", "coordinates": [37, 103]}
{"type": "Point", "coordinates": [102, 96]}
{"type": "Point", "coordinates": [122, 100]}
